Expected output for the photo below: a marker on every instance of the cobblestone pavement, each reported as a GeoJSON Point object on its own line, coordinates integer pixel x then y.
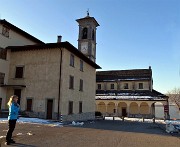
{"type": "Point", "coordinates": [103, 133]}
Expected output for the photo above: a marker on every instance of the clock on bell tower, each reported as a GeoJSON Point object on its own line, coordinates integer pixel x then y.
{"type": "Point", "coordinates": [87, 36]}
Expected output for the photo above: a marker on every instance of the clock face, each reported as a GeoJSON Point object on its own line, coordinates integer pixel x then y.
{"type": "Point", "coordinates": [84, 48]}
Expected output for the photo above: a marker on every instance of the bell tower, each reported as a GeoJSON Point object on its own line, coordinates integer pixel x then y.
{"type": "Point", "coordinates": [87, 36]}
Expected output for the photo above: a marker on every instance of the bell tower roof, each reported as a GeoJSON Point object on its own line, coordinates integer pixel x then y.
{"type": "Point", "coordinates": [88, 18]}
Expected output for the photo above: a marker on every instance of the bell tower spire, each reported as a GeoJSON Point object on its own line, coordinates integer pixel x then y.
{"type": "Point", "coordinates": [87, 36]}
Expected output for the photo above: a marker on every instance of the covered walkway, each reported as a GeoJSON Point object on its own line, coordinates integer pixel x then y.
{"type": "Point", "coordinates": [127, 108]}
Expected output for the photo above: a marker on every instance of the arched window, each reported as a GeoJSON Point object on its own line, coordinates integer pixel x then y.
{"type": "Point", "coordinates": [84, 33]}
{"type": "Point", "coordinates": [92, 34]}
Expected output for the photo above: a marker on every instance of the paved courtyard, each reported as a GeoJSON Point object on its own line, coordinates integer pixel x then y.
{"type": "Point", "coordinates": [102, 133]}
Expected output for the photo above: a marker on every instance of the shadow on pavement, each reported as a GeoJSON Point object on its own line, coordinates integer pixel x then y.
{"type": "Point", "coordinates": [22, 145]}
{"type": "Point", "coordinates": [127, 126]}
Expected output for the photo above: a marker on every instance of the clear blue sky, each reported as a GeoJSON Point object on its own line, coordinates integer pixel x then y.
{"type": "Point", "coordinates": [133, 34]}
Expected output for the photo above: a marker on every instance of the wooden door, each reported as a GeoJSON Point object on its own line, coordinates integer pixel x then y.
{"type": "Point", "coordinates": [49, 109]}
{"type": "Point", "coordinates": [18, 93]}
{"type": "Point", "coordinates": [124, 112]}
{"type": "Point", "coordinates": [29, 105]}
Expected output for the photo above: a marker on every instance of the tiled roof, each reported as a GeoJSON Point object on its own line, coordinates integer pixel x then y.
{"type": "Point", "coordinates": [134, 74]}
{"type": "Point", "coordinates": [66, 45]}
{"type": "Point", "coordinates": [131, 93]}
{"type": "Point", "coordinates": [19, 31]}
{"type": "Point", "coordinates": [138, 94]}
{"type": "Point", "coordinates": [88, 17]}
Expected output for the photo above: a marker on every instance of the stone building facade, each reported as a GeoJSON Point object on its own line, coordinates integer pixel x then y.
{"type": "Point", "coordinates": [54, 80]}
{"type": "Point", "coordinates": [127, 93]}
{"type": "Point", "coordinates": [10, 35]}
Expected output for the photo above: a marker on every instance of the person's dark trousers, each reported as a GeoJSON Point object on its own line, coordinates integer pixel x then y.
{"type": "Point", "coordinates": [12, 124]}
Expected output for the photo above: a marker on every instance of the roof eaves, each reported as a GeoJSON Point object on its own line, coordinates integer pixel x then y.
{"type": "Point", "coordinates": [18, 30]}
{"type": "Point", "coordinates": [66, 45]}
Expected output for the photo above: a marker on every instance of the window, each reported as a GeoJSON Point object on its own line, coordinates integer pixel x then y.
{"type": "Point", "coordinates": [81, 85]}
{"type": "Point", "coordinates": [112, 86]}
{"type": "Point", "coordinates": [99, 86]}
{"type": "Point", "coordinates": [126, 86]}
{"type": "Point", "coordinates": [140, 85]}
{"type": "Point", "coordinates": [29, 105]}
{"type": "Point", "coordinates": [80, 107]}
{"type": "Point", "coordinates": [84, 33]}
{"type": "Point", "coordinates": [71, 82]}
{"type": "Point", "coordinates": [2, 75]}
{"type": "Point", "coordinates": [81, 65]}
{"type": "Point", "coordinates": [5, 31]}
{"type": "Point", "coordinates": [19, 72]}
{"type": "Point", "coordinates": [3, 53]}
{"type": "Point", "coordinates": [72, 60]}
{"type": "Point", "coordinates": [70, 111]}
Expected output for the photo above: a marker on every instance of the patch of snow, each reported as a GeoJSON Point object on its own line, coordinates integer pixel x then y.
{"type": "Point", "coordinates": [34, 121]}
{"type": "Point", "coordinates": [172, 126]}
{"type": "Point", "coordinates": [77, 123]}
{"type": "Point", "coordinates": [3, 120]}
{"type": "Point", "coordinates": [29, 133]}
{"type": "Point", "coordinates": [176, 122]}
{"type": "Point", "coordinates": [18, 134]}
{"type": "Point", "coordinates": [136, 120]}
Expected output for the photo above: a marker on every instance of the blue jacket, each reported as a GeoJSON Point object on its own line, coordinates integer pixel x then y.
{"type": "Point", "coordinates": [13, 111]}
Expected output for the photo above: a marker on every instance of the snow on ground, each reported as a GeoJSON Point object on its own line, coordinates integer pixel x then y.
{"type": "Point", "coordinates": [56, 123]}
{"type": "Point", "coordinates": [34, 121]}
{"type": "Point", "coordinates": [160, 121]}
{"type": "Point", "coordinates": [137, 120]}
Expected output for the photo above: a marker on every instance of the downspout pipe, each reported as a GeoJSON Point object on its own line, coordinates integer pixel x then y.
{"type": "Point", "coordinates": [59, 91]}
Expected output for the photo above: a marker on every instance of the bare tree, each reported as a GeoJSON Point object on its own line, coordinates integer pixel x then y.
{"type": "Point", "coordinates": [174, 96]}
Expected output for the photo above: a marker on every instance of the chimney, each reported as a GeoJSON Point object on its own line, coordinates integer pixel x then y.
{"type": "Point", "coordinates": [59, 39]}
{"type": "Point", "coordinates": [149, 67]}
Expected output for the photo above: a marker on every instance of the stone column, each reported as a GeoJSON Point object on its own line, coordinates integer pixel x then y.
{"type": "Point", "coordinates": [116, 107]}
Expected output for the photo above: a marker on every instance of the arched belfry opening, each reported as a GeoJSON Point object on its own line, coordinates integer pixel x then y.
{"type": "Point", "coordinates": [84, 33]}
{"type": "Point", "coordinates": [92, 34]}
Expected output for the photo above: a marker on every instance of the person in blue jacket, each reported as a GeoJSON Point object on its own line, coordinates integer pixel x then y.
{"type": "Point", "coordinates": [12, 118]}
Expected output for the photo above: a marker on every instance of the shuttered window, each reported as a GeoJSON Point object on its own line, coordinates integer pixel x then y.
{"type": "Point", "coordinates": [5, 31]}
{"type": "Point", "coordinates": [2, 76]}
{"type": "Point", "coordinates": [71, 82]}
{"type": "Point", "coordinates": [19, 72]}
{"type": "Point", "coordinates": [72, 60]}
{"type": "Point", "coordinates": [81, 85]}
